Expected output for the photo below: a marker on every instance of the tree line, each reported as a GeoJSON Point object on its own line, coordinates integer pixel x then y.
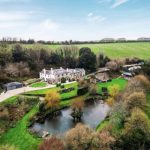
{"type": "Point", "coordinates": [18, 62]}
{"type": "Point", "coordinates": [10, 40]}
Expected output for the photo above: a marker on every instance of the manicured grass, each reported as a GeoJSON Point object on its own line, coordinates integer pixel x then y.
{"type": "Point", "coordinates": [38, 84]}
{"type": "Point", "coordinates": [119, 81]}
{"type": "Point", "coordinates": [63, 96]}
{"type": "Point", "coordinates": [19, 136]}
{"type": "Point", "coordinates": [113, 50]}
{"type": "Point", "coordinates": [11, 100]}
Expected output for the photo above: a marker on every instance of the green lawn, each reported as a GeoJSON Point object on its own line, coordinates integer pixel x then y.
{"type": "Point", "coordinates": [11, 100]}
{"type": "Point", "coordinates": [38, 84]}
{"type": "Point", "coordinates": [63, 96]}
{"type": "Point", "coordinates": [113, 50]}
{"type": "Point", "coordinates": [119, 81]}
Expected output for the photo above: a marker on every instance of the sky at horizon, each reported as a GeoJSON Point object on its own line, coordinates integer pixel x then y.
{"type": "Point", "coordinates": [74, 19]}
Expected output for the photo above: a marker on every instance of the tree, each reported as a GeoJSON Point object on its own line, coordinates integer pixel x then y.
{"type": "Point", "coordinates": [77, 106]}
{"type": "Point", "coordinates": [93, 89]}
{"type": "Point", "coordinates": [114, 90]}
{"type": "Point", "coordinates": [5, 55]}
{"type": "Point", "coordinates": [136, 99]}
{"type": "Point", "coordinates": [137, 84]}
{"type": "Point", "coordinates": [110, 101]}
{"type": "Point", "coordinates": [52, 100]}
{"type": "Point", "coordinates": [117, 115]}
{"type": "Point", "coordinates": [136, 133]}
{"type": "Point", "coordinates": [84, 50]}
{"type": "Point", "coordinates": [102, 60]}
{"type": "Point", "coordinates": [112, 65]}
{"type": "Point", "coordinates": [56, 59]}
{"type": "Point", "coordinates": [146, 68]}
{"type": "Point", "coordinates": [18, 53]}
{"type": "Point", "coordinates": [78, 138]}
{"type": "Point", "coordinates": [102, 141]}
{"type": "Point", "coordinates": [145, 83]}
{"type": "Point", "coordinates": [87, 59]}
{"type": "Point", "coordinates": [17, 69]}
{"type": "Point", "coordinates": [70, 62]}
{"type": "Point", "coordinates": [52, 143]}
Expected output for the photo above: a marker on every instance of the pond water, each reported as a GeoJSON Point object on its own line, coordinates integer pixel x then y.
{"type": "Point", "coordinates": [93, 114]}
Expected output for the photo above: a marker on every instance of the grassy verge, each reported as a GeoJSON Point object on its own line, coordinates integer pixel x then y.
{"type": "Point", "coordinates": [102, 125]}
{"type": "Point", "coordinates": [11, 100]}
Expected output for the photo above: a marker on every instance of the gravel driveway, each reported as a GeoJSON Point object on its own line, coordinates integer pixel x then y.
{"type": "Point", "coordinates": [15, 92]}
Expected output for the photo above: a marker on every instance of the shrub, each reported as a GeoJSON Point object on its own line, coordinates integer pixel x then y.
{"type": "Point", "coordinates": [110, 101]}
{"type": "Point", "coordinates": [114, 90]}
{"type": "Point", "coordinates": [77, 106]}
{"type": "Point", "coordinates": [137, 84]}
{"type": "Point", "coordinates": [145, 83]}
{"type": "Point", "coordinates": [93, 89]}
{"type": "Point", "coordinates": [117, 115]}
{"type": "Point", "coordinates": [52, 143]}
{"type": "Point", "coordinates": [63, 80]}
{"type": "Point", "coordinates": [137, 131]}
{"type": "Point", "coordinates": [52, 100]}
{"type": "Point", "coordinates": [78, 138]}
{"type": "Point", "coordinates": [104, 141]}
{"type": "Point", "coordinates": [137, 99]}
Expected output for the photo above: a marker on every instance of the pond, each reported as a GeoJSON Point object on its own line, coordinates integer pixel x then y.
{"type": "Point", "coordinates": [93, 114]}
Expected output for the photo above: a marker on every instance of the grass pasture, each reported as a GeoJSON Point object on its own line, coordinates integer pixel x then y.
{"type": "Point", "coordinates": [113, 50]}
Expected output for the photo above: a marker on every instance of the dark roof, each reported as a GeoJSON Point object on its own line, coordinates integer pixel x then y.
{"type": "Point", "coordinates": [12, 84]}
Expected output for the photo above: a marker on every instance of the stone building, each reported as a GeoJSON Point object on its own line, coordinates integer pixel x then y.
{"type": "Point", "coordinates": [55, 75]}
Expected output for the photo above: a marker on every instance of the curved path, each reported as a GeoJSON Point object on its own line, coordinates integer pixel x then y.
{"type": "Point", "coordinates": [15, 92]}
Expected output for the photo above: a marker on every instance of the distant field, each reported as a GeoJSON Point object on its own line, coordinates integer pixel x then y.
{"type": "Point", "coordinates": [114, 50]}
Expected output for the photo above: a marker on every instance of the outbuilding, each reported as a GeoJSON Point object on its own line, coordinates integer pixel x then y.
{"type": "Point", "coordinates": [12, 86]}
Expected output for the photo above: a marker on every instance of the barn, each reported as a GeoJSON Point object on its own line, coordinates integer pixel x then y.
{"type": "Point", "coordinates": [12, 86]}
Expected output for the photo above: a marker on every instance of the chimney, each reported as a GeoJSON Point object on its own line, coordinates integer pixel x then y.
{"type": "Point", "coordinates": [51, 70]}
{"type": "Point", "coordinates": [44, 70]}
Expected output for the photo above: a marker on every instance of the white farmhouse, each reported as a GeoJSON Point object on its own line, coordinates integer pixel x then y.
{"type": "Point", "coordinates": [55, 75]}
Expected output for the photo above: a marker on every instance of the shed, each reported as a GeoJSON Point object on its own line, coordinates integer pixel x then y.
{"type": "Point", "coordinates": [127, 74]}
{"type": "Point", "coordinates": [12, 86]}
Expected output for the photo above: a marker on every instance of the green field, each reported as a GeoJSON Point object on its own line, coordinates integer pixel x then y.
{"type": "Point", "coordinates": [114, 50]}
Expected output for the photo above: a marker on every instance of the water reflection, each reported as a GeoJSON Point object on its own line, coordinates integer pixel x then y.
{"type": "Point", "coordinates": [93, 113]}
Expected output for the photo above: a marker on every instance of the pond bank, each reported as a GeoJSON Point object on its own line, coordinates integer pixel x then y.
{"type": "Point", "coordinates": [93, 113]}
